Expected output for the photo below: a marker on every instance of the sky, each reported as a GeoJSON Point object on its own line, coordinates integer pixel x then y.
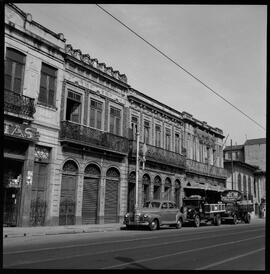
{"type": "Point", "coordinates": [222, 45]}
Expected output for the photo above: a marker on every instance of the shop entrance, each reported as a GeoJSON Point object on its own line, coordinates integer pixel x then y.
{"type": "Point", "coordinates": [12, 191]}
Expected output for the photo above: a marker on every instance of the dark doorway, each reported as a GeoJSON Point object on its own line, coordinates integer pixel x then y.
{"type": "Point", "coordinates": [12, 191]}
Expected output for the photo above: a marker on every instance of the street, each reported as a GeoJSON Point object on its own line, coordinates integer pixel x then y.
{"type": "Point", "coordinates": [227, 247]}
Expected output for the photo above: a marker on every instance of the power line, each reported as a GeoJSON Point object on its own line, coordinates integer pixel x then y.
{"type": "Point", "coordinates": [170, 59]}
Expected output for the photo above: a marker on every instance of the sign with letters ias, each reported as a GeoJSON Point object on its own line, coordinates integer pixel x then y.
{"type": "Point", "coordinates": [21, 131]}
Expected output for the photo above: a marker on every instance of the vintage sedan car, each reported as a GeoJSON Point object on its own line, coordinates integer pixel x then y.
{"type": "Point", "coordinates": [154, 214]}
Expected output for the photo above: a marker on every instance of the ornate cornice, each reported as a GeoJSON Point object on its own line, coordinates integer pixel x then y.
{"type": "Point", "coordinates": [93, 62]}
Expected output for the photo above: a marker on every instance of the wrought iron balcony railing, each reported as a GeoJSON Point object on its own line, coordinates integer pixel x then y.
{"type": "Point", "coordinates": [160, 155]}
{"type": "Point", "coordinates": [205, 169]}
{"type": "Point", "coordinates": [19, 104]}
{"type": "Point", "coordinates": [91, 137]}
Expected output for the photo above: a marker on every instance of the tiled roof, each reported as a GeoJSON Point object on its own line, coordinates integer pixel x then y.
{"type": "Point", "coordinates": [255, 141]}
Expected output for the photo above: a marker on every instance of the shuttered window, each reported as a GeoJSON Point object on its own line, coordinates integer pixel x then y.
{"type": "Point", "coordinates": [95, 114]}
{"type": "Point", "coordinates": [115, 121]}
{"type": "Point", "coordinates": [14, 70]}
{"type": "Point", "coordinates": [47, 89]}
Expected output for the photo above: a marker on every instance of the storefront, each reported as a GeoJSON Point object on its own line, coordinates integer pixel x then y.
{"type": "Point", "coordinates": [19, 142]}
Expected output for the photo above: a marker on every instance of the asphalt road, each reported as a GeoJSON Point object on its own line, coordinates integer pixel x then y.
{"type": "Point", "coordinates": [227, 247]}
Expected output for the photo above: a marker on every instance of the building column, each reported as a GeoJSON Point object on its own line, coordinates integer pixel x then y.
{"type": "Point", "coordinates": [79, 198]}
{"type": "Point", "coordinates": [25, 202]}
{"type": "Point", "coordinates": [101, 199]}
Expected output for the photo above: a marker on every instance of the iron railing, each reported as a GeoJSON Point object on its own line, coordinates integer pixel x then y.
{"type": "Point", "coordinates": [19, 104]}
{"type": "Point", "coordinates": [93, 138]}
{"type": "Point", "coordinates": [160, 155]}
{"type": "Point", "coordinates": [205, 169]}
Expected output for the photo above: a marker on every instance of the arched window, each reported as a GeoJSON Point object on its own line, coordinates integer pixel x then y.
{"type": "Point", "coordinates": [157, 187]}
{"type": "Point", "coordinates": [245, 185]}
{"type": "Point", "coordinates": [249, 185]}
{"type": "Point", "coordinates": [239, 182]}
{"type": "Point", "coordinates": [167, 189]}
{"type": "Point", "coordinates": [145, 187]}
{"type": "Point", "coordinates": [14, 70]}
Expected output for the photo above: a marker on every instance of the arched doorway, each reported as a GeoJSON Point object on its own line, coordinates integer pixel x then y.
{"type": "Point", "coordinates": [68, 191]}
{"type": "Point", "coordinates": [177, 189]}
{"type": "Point", "coordinates": [167, 189]}
{"type": "Point", "coordinates": [157, 187]}
{"type": "Point", "coordinates": [90, 194]}
{"type": "Point", "coordinates": [111, 196]}
{"type": "Point", "coordinates": [145, 187]}
{"type": "Point", "coordinates": [131, 191]}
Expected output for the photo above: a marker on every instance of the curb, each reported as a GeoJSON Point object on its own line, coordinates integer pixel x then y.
{"type": "Point", "coordinates": [75, 231]}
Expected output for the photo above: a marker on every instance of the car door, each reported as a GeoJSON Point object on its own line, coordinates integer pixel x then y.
{"type": "Point", "coordinates": [172, 212]}
{"type": "Point", "coordinates": [164, 212]}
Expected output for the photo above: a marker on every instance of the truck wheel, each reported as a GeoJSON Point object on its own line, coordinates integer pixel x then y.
{"type": "Point", "coordinates": [197, 221]}
{"type": "Point", "coordinates": [153, 225]}
{"type": "Point", "coordinates": [217, 220]}
{"type": "Point", "coordinates": [178, 223]}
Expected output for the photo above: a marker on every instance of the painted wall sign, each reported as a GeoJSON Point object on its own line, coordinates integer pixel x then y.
{"type": "Point", "coordinates": [20, 131]}
{"type": "Point", "coordinates": [231, 196]}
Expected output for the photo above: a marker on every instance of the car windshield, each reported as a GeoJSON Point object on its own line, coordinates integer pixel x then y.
{"type": "Point", "coordinates": [151, 204]}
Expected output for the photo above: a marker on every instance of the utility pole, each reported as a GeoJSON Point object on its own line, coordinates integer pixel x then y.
{"type": "Point", "coordinates": [232, 162]}
{"type": "Point", "coordinates": [137, 170]}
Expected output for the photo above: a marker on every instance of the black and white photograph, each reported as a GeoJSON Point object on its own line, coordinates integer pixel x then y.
{"type": "Point", "coordinates": [134, 137]}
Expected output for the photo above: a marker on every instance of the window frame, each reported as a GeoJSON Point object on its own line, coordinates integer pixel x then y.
{"type": "Point", "coordinates": [98, 100]}
{"type": "Point", "coordinates": [119, 108]}
{"type": "Point", "coordinates": [14, 63]}
{"type": "Point", "coordinates": [43, 72]}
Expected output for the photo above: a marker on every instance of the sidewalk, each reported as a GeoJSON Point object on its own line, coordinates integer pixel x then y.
{"type": "Point", "coordinates": [12, 232]}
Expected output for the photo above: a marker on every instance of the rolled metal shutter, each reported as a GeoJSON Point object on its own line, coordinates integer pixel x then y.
{"type": "Point", "coordinates": [67, 200]}
{"type": "Point", "coordinates": [90, 201]}
{"type": "Point", "coordinates": [111, 201]}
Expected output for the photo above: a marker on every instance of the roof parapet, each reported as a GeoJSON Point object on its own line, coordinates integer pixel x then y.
{"type": "Point", "coordinates": [85, 58]}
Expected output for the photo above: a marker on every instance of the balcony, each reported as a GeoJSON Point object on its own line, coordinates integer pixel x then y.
{"type": "Point", "coordinates": [18, 104]}
{"type": "Point", "coordinates": [159, 155]}
{"type": "Point", "coordinates": [209, 170]}
{"type": "Point", "coordinates": [89, 137]}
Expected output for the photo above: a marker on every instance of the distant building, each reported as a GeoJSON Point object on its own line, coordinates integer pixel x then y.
{"type": "Point", "coordinates": [255, 152]}
{"type": "Point", "coordinates": [246, 171]}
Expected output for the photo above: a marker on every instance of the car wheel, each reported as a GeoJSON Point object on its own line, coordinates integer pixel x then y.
{"type": "Point", "coordinates": [178, 223]}
{"type": "Point", "coordinates": [197, 221]}
{"type": "Point", "coordinates": [153, 225]}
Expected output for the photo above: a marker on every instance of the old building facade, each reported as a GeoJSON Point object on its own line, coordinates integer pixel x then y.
{"type": "Point", "coordinates": [71, 124]}
{"type": "Point", "coordinates": [93, 143]}
{"type": "Point", "coordinates": [34, 68]}
{"type": "Point", "coordinates": [244, 163]}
